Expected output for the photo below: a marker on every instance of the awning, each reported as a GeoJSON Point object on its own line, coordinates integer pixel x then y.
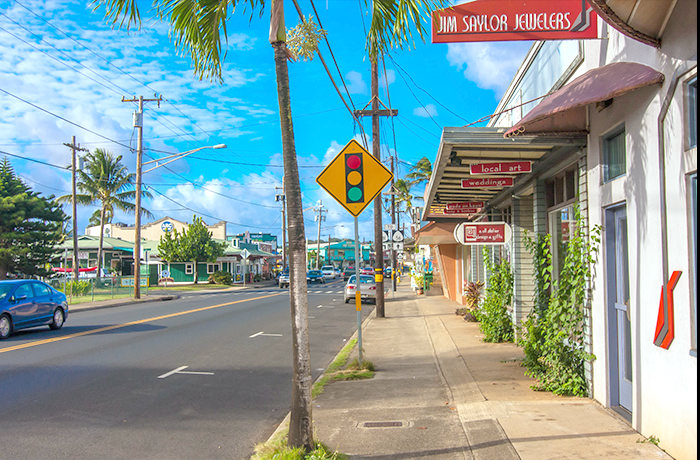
{"type": "Point", "coordinates": [643, 20]}
{"type": "Point", "coordinates": [461, 148]}
{"type": "Point", "coordinates": [436, 233]}
{"type": "Point", "coordinates": [565, 109]}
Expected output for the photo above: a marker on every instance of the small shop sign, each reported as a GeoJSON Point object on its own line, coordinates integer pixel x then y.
{"type": "Point", "coordinates": [489, 182]}
{"type": "Point", "coordinates": [510, 167]}
{"type": "Point", "coordinates": [468, 233]}
{"type": "Point", "coordinates": [456, 206]}
{"type": "Point", "coordinates": [503, 20]}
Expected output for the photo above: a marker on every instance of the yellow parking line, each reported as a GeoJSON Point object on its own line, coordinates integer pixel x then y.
{"type": "Point", "coordinates": [131, 323]}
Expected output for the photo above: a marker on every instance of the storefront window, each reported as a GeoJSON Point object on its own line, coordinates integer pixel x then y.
{"type": "Point", "coordinates": [561, 226]}
{"type": "Point", "coordinates": [692, 113]}
{"type": "Point", "coordinates": [614, 156]}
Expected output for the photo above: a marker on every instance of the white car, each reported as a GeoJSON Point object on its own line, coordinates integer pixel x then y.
{"type": "Point", "coordinates": [368, 289]}
{"type": "Point", "coordinates": [328, 272]}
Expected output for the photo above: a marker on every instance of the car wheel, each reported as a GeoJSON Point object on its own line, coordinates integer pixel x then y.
{"type": "Point", "coordinates": [58, 319]}
{"type": "Point", "coordinates": [5, 327]}
{"type": "Point", "coordinates": [347, 300]}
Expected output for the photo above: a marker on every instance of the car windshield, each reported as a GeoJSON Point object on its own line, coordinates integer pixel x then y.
{"type": "Point", "coordinates": [327, 268]}
{"type": "Point", "coordinates": [314, 272]}
{"type": "Point", "coordinates": [5, 289]}
{"type": "Point", "coordinates": [364, 279]}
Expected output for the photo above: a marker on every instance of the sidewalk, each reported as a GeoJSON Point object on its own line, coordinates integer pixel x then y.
{"type": "Point", "coordinates": [160, 295]}
{"type": "Point", "coordinates": [442, 393]}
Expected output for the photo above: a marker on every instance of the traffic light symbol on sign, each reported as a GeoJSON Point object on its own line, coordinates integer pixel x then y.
{"type": "Point", "coordinates": [354, 180]}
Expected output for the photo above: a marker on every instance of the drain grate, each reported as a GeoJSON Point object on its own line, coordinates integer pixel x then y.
{"type": "Point", "coordinates": [382, 424]}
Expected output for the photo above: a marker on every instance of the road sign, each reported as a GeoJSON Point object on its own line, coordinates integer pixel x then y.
{"type": "Point", "coordinates": [245, 253]}
{"type": "Point", "coordinates": [389, 226]}
{"type": "Point", "coordinates": [390, 246]}
{"type": "Point", "coordinates": [165, 274]}
{"type": "Point", "coordinates": [385, 236]}
{"type": "Point", "coordinates": [354, 178]}
{"type": "Point", "coordinates": [397, 236]}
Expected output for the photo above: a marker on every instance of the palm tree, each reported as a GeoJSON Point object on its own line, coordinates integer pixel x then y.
{"type": "Point", "coordinates": [402, 188]}
{"type": "Point", "coordinates": [105, 180]}
{"type": "Point", "coordinates": [197, 27]}
{"type": "Point", "coordinates": [420, 172]}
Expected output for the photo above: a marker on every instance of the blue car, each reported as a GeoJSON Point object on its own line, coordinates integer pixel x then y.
{"type": "Point", "coordinates": [315, 276]}
{"type": "Point", "coordinates": [30, 303]}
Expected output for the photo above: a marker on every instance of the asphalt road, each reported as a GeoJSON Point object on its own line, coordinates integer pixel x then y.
{"type": "Point", "coordinates": [112, 384]}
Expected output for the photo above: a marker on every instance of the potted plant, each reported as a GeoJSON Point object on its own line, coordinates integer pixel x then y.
{"type": "Point", "coordinates": [418, 283]}
{"type": "Point", "coordinates": [471, 294]}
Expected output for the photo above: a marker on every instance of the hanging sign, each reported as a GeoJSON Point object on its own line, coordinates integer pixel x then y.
{"type": "Point", "coordinates": [489, 182]}
{"type": "Point", "coordinates": [511, 167]}
{"type": "Point", "coordinates": [467, 207]}
{"type": "Point", "coordinates": [502, 20]}
{"type": "Point", "coordinates": [483, 233]}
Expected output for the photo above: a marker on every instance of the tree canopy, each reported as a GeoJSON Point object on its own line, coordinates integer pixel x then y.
{"type": "Point", "coordinates": [30, 227]}
{"type": "Point", "coordinates": [194, 244]}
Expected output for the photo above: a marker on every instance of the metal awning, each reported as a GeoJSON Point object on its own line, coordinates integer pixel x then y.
{"type": "Point", "coordinates": [643, 20]}
{"type": "Point", "coordinates": [564, 111]}
{"type": "Point", "coordinates": [461, 147]}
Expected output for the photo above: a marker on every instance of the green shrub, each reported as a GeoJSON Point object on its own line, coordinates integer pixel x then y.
{"type": "Point", "coordinates": [257, 278]}
{"type": "Point", "coordinates": [77, 288]}
{"type": "Point", "coordinates": [220, 277]}
{"type": "Point", "coordinates": [494, 320]}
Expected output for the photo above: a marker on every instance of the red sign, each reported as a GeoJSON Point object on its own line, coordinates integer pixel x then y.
{"type": "Point", "coordinates": [512, 167]}
{"type": "Point", "coordinates": [483, 233]}
{"type": "Point", "coordinates": [501, 20]}
{"type": "Point", "coordinates": [461, 211]}
{"type": "Point", "coordinates": [488, 182]}
{"type": "Point", "coordinates": [464, 205]}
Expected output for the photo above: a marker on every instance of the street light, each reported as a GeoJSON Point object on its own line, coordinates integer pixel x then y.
{"type": "Point", "coordinates": [177, 156]}
{"type": "Point", "coordinates": [137, 229]}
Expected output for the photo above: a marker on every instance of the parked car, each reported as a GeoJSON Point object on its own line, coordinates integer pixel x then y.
{"type": "Point", "coordinates": [283, 279]}
{"type": "Point", "coordinates": [348, 272]}
{"type": "Point", "coordinates": [30, 303]}
{"type": "Point", "coordinates": [315, 276]}
{"type": "Point", "coordinates": [328, 272]}
{"type": "Point", "coordinates": [366, 271]}
{"type": "Point", "coordinates": [368, 289]}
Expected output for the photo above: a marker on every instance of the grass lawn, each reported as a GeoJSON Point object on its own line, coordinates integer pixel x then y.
{"type": "Point", "coordinates": [89, 298]}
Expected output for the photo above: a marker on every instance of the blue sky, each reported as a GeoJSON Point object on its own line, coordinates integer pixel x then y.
{"type": "Point", "coordinates": [63, 72]}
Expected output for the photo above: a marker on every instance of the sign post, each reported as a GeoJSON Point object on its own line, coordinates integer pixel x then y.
{"type": "Point", "coordinates": [244, 254]}
{"type": "Point", "coordinates": [354, 178]}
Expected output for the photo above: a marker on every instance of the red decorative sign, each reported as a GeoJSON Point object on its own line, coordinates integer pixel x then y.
{"type": "Point", "coordinates": [665, 331]}
{"type": "Point", "coordinates": [501, 20]}
{"type": "Point", "coordinates": [512, 167]}
{"type": "Point", "coordinates": [489, 182]}
{"type": "Point", "coordinates": [464, 205]}
{"type": "Point", "coordinates": [483, 233]}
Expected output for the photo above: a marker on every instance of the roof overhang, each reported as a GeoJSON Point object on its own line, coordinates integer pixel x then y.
{"type": "Point", "coordinates": [436, 233]}
{"type": "Point", "coordinates": [643, 20]}
{"type": "Point", "coordinates": [462, 147]}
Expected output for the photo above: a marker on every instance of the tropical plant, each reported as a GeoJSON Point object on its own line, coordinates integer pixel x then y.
{"type": "Point", "coordinates": [472, 294]}
{"type": "Point", "coordinates": [194, 244]}
{"type": "Point", "coordinates": [197, 28]}
{"type": "Point", "coordinates": [554, 339]}
{"type": "Point", "coordinates": [105, 180]}
{"type": "Point", "coordinates": [420, 172]}
{"type": "Point", "coordinates": [493, 316]}
{"type": "Point", "coordinates": [402, 188]}
{"type": "Point", "coordinates": [30, 227]}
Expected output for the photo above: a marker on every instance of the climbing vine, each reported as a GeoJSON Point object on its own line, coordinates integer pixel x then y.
{"type": "Point", "coordinates": [494, 320]}
{"type": "Point", "coordinates": [554, 338]}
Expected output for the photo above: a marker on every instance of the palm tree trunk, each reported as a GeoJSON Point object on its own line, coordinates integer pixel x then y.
{"type": "Point", "coordinates": [194, 272]}
{"type": "Point", "coordinates": [300, 424]}
{"type": "Point", "coordinates": [99, 249]}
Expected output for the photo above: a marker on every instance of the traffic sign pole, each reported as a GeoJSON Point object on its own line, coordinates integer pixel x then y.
{"type": "Point", "coordinates": [358, 296]}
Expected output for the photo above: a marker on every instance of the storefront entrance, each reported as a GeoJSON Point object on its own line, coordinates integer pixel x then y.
{"type": "Point", "coordinates": [619, 325]}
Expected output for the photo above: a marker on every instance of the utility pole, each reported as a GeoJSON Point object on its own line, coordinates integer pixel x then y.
{"type": "Point", "coordinates": [375, 113]}
{"type": "Point", "coordinates": [393, 227]}
{"type": "Point", "coordinates": [282, 197]}
{"type": "Point", "coordinates": [74, 203]}
{"type": "Point", "coordinates": [138, 124]}
{"type": "Point", "coordinates": [320, 218]}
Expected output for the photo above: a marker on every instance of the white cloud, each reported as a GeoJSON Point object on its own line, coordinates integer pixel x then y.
{"type": "Point", "coordinates": [426, 111]}
{"type": "Point", "coordinates": [389, 77]}
{"type": "Point", "coordinates": [489, 65]}
{"type": "Point", "coordinates": [356, 84]}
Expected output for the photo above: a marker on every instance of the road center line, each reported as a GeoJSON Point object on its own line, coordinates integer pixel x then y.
{"type": "Point", "coordinates": [131, 323]}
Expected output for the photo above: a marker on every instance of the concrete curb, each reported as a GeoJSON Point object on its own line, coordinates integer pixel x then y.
{"type": "Point", "coordinates": [284, 424]}
{"type": "Point", "coordinates": [77, 308]}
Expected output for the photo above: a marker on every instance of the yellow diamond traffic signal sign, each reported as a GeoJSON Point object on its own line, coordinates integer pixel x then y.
{"type": "Point", "coordinates": [354, 178]}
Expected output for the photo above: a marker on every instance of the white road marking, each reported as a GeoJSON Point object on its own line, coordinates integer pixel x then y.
{"type": "Point", "coordinates": [181, 370]}
{"type": "Point", "coordinates": [262, 334]}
